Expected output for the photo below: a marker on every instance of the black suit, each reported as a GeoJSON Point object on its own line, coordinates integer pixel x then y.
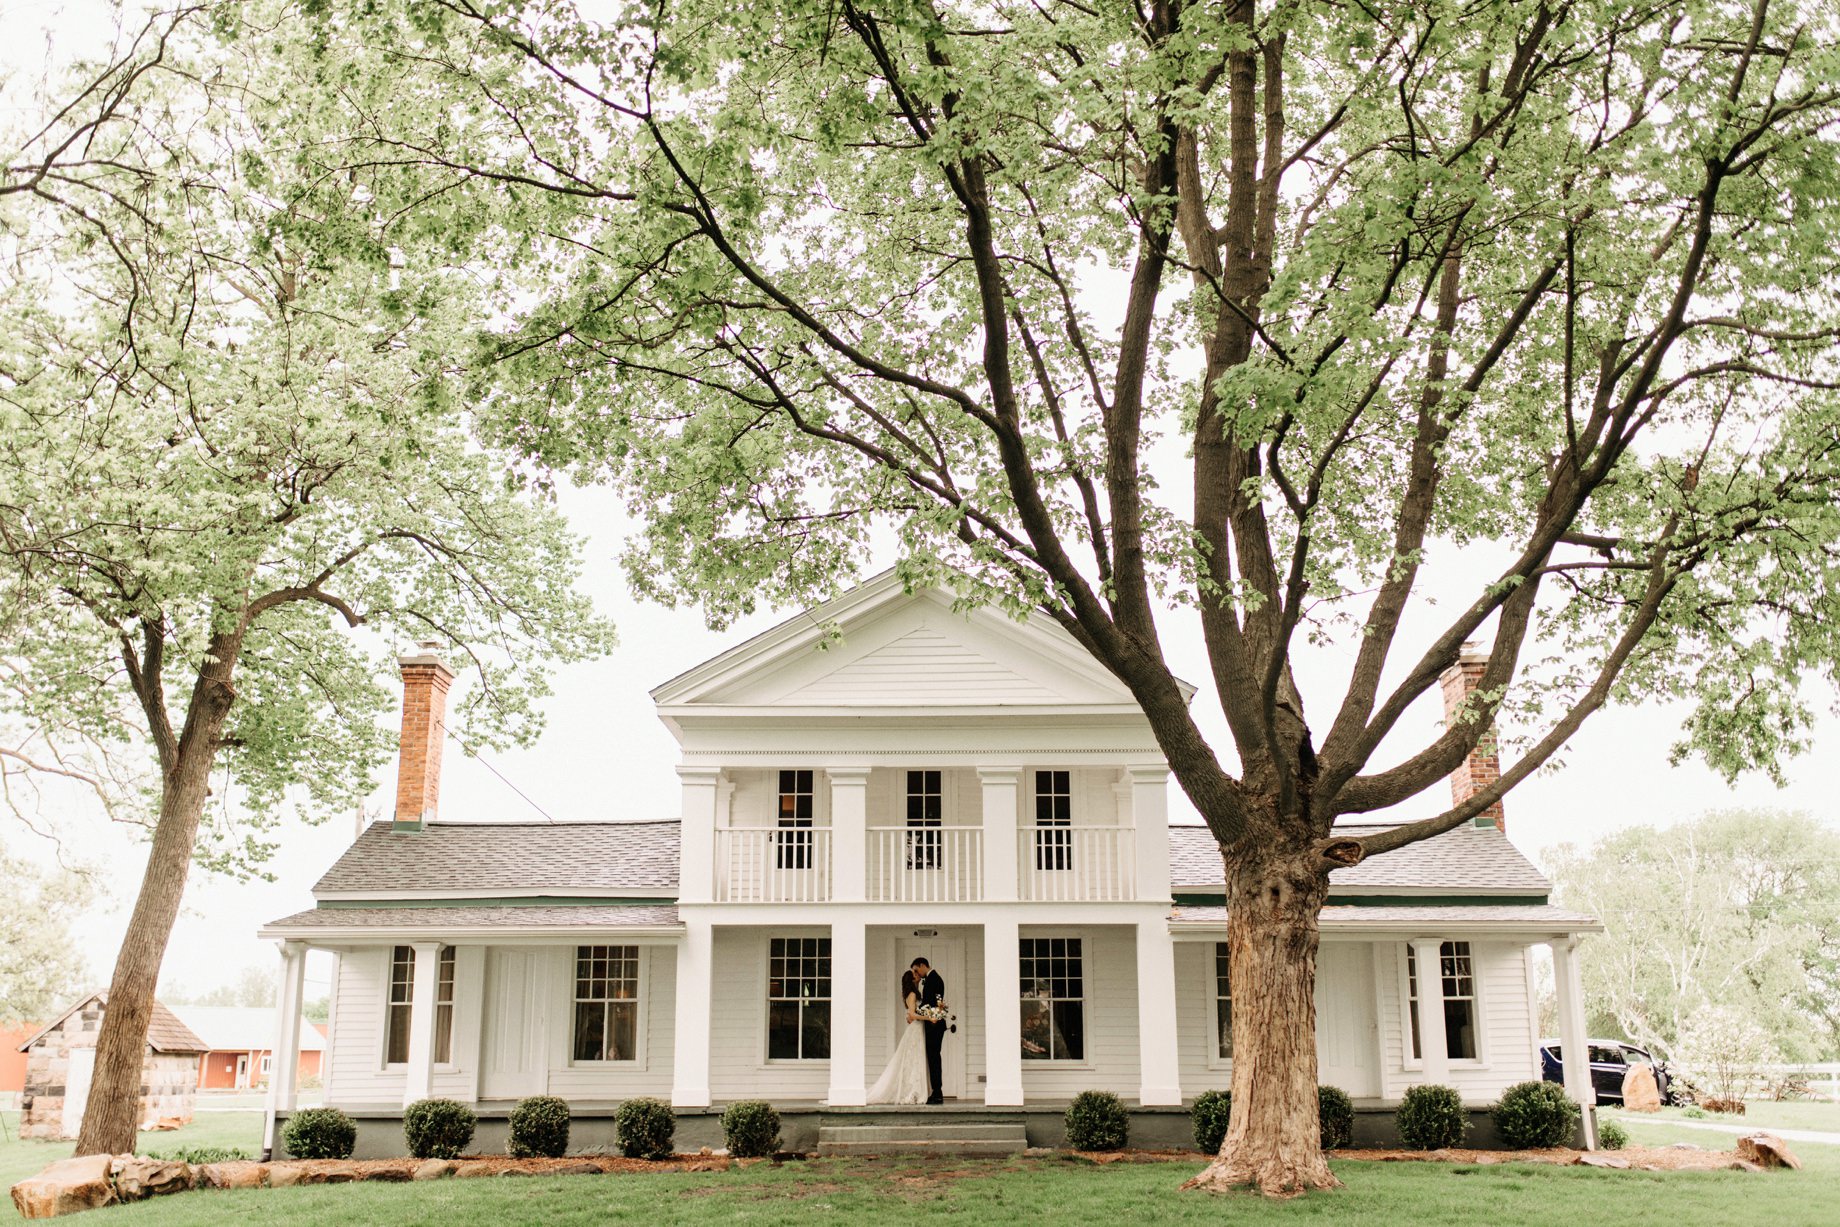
{"type": "Point", "coordinates": [932, 992]}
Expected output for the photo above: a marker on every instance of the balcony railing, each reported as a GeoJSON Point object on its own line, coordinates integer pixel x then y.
{"type": "Point", "coordinates": [926, 864]}
{"type": "Point", "coordinates": [1075, 864]}
{"type": "Point", "coordinates": [773, 865]}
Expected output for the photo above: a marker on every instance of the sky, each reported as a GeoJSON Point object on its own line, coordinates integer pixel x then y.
{"type": "Point", "coordinates": [605, 755]}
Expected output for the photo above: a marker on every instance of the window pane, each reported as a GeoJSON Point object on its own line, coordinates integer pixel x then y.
{"type": "Point", "coordinates": [443, 1034]}
{"type": "Point", "coordinates": [1223, 1000]}
{"type": "Point", "coordinates": [1036, 1040]}
{"type": "Point", "coordinates": [398, 1046]}
{"type": "Point", "coordinates": [1460, 1029]}
{"type": "Point", "coordinates": [783, 1030]}
{"type": "Point", "coordinates": [1069, 1030]}
{"type": "Point", "coordinates": [623, 1032]}
{"type": "Point", "coordinates": [590, 1021]}
{"type": "Point", "coordinates": [816, 1031]}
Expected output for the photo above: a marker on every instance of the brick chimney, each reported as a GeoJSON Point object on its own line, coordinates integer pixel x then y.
{"type": "Point", "coordinates": [424, 725]}
{"type": "Point", "coordinates": [1483, 766]}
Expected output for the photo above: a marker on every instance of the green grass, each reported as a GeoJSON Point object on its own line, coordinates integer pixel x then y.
{"type": "Point", "coordinates": [974, 1193]}
{"type": "Point", "coordinates": [1763, 1114]}
{"type": "Point", "coordinates": [22, 1157]}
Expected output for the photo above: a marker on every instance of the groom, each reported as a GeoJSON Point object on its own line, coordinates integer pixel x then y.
{"type": "Point", "coordinates": [932, 992]}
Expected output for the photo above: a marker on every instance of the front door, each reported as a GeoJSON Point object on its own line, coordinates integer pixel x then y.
{"type": "Point", "coordinates": [513, 1061]}
{"type": "Point", "coordinates": [947, 956]}
{"type": "Point", "coordinates": [242, 1069]}
{"type": "Point", "coordinates": [1347, 1024]}
{"type": "Point", "coordinates": [77, 1077]}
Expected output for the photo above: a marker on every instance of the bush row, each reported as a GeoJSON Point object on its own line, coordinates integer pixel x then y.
{"type": "Point", "coordinates": [1530, 1116]}
{"type": "Point", "coordinates": [539, 1128]}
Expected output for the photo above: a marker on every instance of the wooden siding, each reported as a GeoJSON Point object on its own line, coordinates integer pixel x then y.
{"type": "Point", "coordinates": [1504, 1009]}
{"type": "Point", "coordinates": [922, 666]}
{"type": "Point", "coordinates": [1109, 953]}
{"type": "Point", "coordinates": [738, 1065]}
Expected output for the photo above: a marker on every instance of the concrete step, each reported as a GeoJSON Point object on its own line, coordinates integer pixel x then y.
{"type": "Point", "coordinates": [940, 1139]}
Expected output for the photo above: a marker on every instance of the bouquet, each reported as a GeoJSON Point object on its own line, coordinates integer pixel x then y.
{"type": "Point", "coordinates": [941, 1013]}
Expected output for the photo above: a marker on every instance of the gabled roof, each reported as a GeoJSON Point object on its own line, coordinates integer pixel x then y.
{"type": "Point", "coordinates": [475, 859]}
{"type": "Point", "coordinates": [880, 646]}
{"type": "Point", "coordinates": [1468, 860]}
{"type": "Point", "coordinates": [450, 923]}
{"type": "Point", "coordinates": [241, 1028]}
{"type": "Point", "coordinates": [165, 1033]}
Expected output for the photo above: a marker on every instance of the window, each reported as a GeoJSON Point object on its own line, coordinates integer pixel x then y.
{"type": "Point", "coordinates": [795, 810]}
{"type": "Point", "coordinates": [268, 1063]}
{"type": "Point", "coordinates": [1602, 1055]}
{"type": "Point", "coordinates": [1459, 976]}
{"type": "Point", "coordinates": [606, 1003]}
{"type": "Point", "coordinates": [401, 1004]}
{"type": "Point", "coordinates": [799, 999]}
{"type": "Point", "coordinates": [1053, 817]}
{"type": "Point", "coordinates": [925, 815]}
{"type": "Point", "coordinates": [1223, 1004]}
{"type": "Point", "coordinates": [1053, 999]}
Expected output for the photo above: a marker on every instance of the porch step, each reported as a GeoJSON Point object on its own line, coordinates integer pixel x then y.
{"type": "Point", "coordinates": [987, 1138]}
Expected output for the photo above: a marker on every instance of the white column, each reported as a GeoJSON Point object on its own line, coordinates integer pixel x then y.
{"type": "Point", "coordinates": [1000, 787]}
{"type": "Point", "coordinates": [1150, 818]}
{"type": "Point", "coordinates": [1574, 1046]}
{"type": "Point", "coordinates": [1159, 1076]}
{"type": "Point", "coordinates": [690, 1055]}
{"type": "Point", "coordinates": [422, 1010]}
{"type": "Point", "coordinates": [1433, 1044]}
{"type": "Point", "coordinates": [284, 1078]}
{"type": "Point", "coordinates": [1002, 1011]}
{"type": "Point", "coordinates": [849, 838]}
{"type": "Point", "coordinates": [697, 834]}
{"type": "Point", "coordinates": [849, 1021]}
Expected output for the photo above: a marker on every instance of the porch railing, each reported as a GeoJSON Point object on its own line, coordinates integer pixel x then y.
{"type": "Point", "coordinates": [773, 865]}
{"type": "Point", "coordinates": [1075, 864]}
{"type": "Point", "coordinates": [926, 864]}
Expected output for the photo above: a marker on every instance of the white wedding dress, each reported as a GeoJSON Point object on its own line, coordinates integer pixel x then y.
{"type": "Point", "coordinates": [904, 1081]}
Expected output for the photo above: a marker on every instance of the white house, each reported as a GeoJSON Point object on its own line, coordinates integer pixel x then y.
{"type": "Point", "coordinates": [880, 778]}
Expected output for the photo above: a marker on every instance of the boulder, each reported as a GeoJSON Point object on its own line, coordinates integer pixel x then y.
{"type": "Point", "coordinates": [233, 1175]}
{"type": "Point", "coordinates": [1742, 1165]}
{"type": "Point", "coordinates": [1593, 1159]}
{"type": "Point", "coordinates": [386, 1175]}
{"type": "Point", "coordinates": [67, 1186]}
{"type": "Point", "coordinates": [466, 1171]}
{"type": "Point", "coordinates": [137, 1178]}
{"type": "Point", "coordinates": [287, 1175]}
{"type": "Point", "coordinates": [432, 1169]}
{"type": "Point", "coordinates": [583, 1168]}
{"type": "Point", "coordinates": [1730, 1107]}
{"type": "Point", "coordinates": [1640, 1092]}
{"type": "Point", "coordinates": [1767, 1150]}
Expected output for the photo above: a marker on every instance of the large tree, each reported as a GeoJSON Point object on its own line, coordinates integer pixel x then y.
{"type": "Point", "coordinates": [1281, 315]}
{"type": "Point", "coordinates": [232, 433]}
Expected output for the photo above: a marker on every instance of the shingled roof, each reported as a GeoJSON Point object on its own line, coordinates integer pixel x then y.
{"type": "Point", "coordinates": [1441, 917]}
{"type": "Point", "coordinates": [1469, 860]}
{"type": "Point", "coordinates": [165, 1033]}
{"type": "Point", "coordinates": [445, 922]}
{"type": "Point", "coordinates": [636, 859]}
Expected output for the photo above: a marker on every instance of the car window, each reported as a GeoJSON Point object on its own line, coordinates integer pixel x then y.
{"type": "Point", "coordinates": [1635, 1056]}
{"type": "Point", "coordinates": [1607, 1056]}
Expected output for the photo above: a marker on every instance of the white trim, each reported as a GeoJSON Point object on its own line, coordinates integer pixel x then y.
{"type": "Point", "coordinates": [1214, 1060]}
{"type": "Point", "coordinates": [392, 896]}
{"type": "Point", "coordinates": [641, 1003]}
{"type": "Point", "coordinates": [1416, 1063]}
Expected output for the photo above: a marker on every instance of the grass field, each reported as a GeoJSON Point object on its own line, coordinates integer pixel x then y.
{"type": "Point", "coordinates": [1762, 1114]}
{"type": "Point", "coordinates": [975, 1193]}
{"type": "Point", "coordinates": [20, 1158]}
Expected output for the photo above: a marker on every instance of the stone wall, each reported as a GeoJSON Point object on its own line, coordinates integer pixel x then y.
{"type": "Point", "coordinates": [168, 1079]}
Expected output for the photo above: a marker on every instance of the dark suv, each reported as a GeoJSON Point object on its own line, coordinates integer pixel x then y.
{"type": "Point", "coordinates": [1610, 1060]}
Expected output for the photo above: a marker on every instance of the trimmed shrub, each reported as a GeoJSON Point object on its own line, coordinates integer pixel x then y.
{"type": "Point", "coordinates": [1611, 1136]}
{"type": "Point", "coordinates": [320, 1133]}
{"type": "Point", "coordinates": [1097, 1121]}
{"type": "Point", "coordinates": [644, 1128]}
{"type": "Point", "coordinates": [1335, 1117]}
{"type": "Point", "coordinates": [1431, 1118]}
{"type": "Point", "coordinates": [1210, 1114]}
{"type": "Point", "coordinates": [750, 1128]}
{"type": "Point", "coordinates": [1535, 1116]}
{"type": "Point", "coordinates": [438, 1128]}
{"type": "Point", "coordinates": [539, 1128]}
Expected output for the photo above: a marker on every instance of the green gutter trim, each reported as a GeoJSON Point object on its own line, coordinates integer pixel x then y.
{"type": "Point", "coordinates": [1219, 899]}
{"type": "Point", "coordinates": [500, 901]}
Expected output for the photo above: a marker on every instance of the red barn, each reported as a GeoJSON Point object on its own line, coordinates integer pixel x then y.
{"type": "Point", "coordinates": [240, 1042]}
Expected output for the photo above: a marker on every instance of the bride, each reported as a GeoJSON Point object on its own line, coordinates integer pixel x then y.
{"type": "Point", "coordinates": [904, 1081]}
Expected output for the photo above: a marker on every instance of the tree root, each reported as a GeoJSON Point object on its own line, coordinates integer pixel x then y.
{"type": "Point", "coordinates": [1275, 1178]}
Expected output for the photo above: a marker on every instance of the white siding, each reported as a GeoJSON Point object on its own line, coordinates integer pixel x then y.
{"type": "Point", "coordinates": [1111, 1059]}
{"type": "Point", "coordinates": [738, 1065]}
{"type": "Point", "coordinates": [1200, 1070]}
{"type": "Point", "coordinates": [1504, 1009]}
{"type": "Point", "coordinates": [921, 666]}
{"type": "Point", "coordinates": [651, 1074]}
{"type": "Point", "coordinates": [354, 1062]}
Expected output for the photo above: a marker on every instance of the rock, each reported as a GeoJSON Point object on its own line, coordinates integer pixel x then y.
{"type": "Point", "coordinates": [576, 1169]}
{"type": "Point", "coordinates": [432, 1169]}
{"type": "Point", "coordinates": [1640, 1093]}
{"type": "Point", "coordinates": [467, 1171]}
{"type": "Point", "coordinates": [1767, 1150]}
{"type": "Point", "coordinates": [66, 1187]}
{"type": "Point", "coordinates": [1592, 1159]}
{"type": "Point", "coordinates": [137, 1178]}
{"type": "Point", "coordinates": [516, 1171]}
{"type": "Point", "coordinates": [167, 1123]}
{"type": "Point", "coordinates": [1681, 1146]}
{"type": "Point", "coordinates": [1742, 1165]}
{"type": "Point", "coordinates": [339, 1177]}
{"type": "Point", "coordinates": [1730, 1107]}
{"type": "Point", "coordinates": [232, 1175]}
{"type": "Point", "coordinates": [287, 1175]}
{"type": "Point", "coordinates": [705, 1152]}
{"type": "Point", "coordinates": [386, 1175]}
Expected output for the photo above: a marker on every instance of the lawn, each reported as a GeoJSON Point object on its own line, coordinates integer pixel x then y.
{"type": "Point", "coordinates": [973, 1193]}
{"type": "Point", "coordinates": [1758, 1114]}
{"type": "Point", "coordinates": [21, 1157]}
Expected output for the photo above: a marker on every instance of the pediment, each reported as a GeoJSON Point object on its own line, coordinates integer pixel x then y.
{"type": "Point", "coordinates": [880, 647]}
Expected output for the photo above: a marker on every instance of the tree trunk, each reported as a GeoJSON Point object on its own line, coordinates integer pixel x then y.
{"type": "Point", "coordinates": [1273, 1142]}
{"type": "Point", "coordinates": [111, 1118]}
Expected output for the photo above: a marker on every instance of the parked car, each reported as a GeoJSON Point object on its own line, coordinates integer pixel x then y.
{"type": "Point", "coordinates": [1610, 1060]}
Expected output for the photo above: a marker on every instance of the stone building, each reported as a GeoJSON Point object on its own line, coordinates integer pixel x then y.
{"type": "Point", "coordinates": [61, 1063]}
